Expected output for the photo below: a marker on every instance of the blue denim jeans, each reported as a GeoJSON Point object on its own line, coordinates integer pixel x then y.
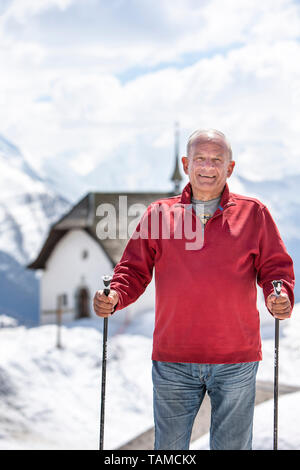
{"type": "Point", "coordinates": [178, 391]}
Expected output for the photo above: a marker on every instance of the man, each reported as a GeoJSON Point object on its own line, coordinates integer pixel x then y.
{"type": "Point", "coordinates": [207, 334]}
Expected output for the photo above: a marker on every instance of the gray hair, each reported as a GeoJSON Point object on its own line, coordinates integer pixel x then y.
{"type": "Point", "coordinates": [213, 133]}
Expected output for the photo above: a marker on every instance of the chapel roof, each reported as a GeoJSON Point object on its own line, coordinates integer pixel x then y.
{"type": "Point", "coordinates": [83, 215]}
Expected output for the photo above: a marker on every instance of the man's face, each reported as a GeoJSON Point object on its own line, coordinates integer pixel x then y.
{"type": "Point", "coordinates": [208, 166]}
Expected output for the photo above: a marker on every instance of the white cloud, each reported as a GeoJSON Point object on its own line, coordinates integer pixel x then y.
{"type": "Point", "coordinates": [22, 10]}
{"type": "Point", "coordinates": [120, 35]}
{"type": "Point", "coordinates": [63, 101]}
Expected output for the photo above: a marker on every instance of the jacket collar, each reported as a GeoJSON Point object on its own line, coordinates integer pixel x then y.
{"type": "Point", "coordinates": [226, 197]}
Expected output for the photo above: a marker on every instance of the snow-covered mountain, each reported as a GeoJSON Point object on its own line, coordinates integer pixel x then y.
{"type": "Point", "coordinates": [28, 206]}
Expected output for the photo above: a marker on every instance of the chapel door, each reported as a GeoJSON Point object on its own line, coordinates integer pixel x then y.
{"type": "Point", "coordinates": [83, 303]}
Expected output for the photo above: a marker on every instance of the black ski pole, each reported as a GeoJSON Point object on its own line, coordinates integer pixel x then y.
{"type": "Point", "coordinates": [277, 289]}
{"type": "Point", "coordinates": [106, 281]}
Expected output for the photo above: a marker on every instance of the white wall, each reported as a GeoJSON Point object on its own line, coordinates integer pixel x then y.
{"type": "Point", "coordinates": [66, 271]}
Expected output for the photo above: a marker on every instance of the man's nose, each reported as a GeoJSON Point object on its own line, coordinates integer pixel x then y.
{"type": "Point", "coordinates": [207, 163]}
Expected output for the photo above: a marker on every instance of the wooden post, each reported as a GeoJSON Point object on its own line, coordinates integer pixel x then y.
{"type": "Point", "coordinates": [61, 302]}
{"type": "Point", "coordinates": [59, 321]}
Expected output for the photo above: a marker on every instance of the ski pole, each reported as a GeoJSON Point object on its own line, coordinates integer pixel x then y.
{"type": "Point", "coordinates": [106, 280]}
{"type": "Point", "coordinates": [277, 289]}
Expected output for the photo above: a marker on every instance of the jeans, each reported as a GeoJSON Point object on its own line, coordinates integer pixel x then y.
{"type": "Point", "coordinates": [178, 391]}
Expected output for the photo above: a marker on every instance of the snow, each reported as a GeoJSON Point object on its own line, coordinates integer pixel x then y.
{"type": "Point", "coordinates": [50, 397]}
{"type": "Point", "coordinates": [6, 321]}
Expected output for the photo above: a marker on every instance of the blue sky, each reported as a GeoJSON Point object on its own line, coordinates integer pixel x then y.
{"type": "Point", "coordinates": [88, 86]}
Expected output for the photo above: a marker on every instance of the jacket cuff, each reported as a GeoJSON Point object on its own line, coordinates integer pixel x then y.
{"type": "Point", "coordinates": [118, 305]}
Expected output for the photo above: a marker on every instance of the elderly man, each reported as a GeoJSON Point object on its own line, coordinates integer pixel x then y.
{"type": "Point", "coordinates": [207, 335]}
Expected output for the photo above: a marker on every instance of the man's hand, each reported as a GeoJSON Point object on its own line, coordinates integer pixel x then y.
{"type": "Point", "coordinates": [104, 305]}
{"type": "Point", "coordinates": [279, 306]}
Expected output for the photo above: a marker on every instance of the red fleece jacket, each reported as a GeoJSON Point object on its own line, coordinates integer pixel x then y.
{"type": "Point", "coordinates": [205, 307]}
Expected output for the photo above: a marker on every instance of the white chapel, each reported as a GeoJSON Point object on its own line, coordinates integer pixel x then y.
{"type": "Point", "coordinates": [73, 258]}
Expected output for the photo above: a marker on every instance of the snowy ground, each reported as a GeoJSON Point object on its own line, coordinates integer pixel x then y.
{"type": "Point", "coordinates": [50, 397]}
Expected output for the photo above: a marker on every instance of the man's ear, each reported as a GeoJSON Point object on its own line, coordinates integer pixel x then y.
{"type": "Point", "coordinates": [230, 168]}
{"type": "Point", "coordinates": [185, 164]}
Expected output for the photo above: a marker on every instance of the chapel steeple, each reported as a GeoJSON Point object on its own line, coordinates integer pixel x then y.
{"type": "Point", "coordinates": [176, 176]}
